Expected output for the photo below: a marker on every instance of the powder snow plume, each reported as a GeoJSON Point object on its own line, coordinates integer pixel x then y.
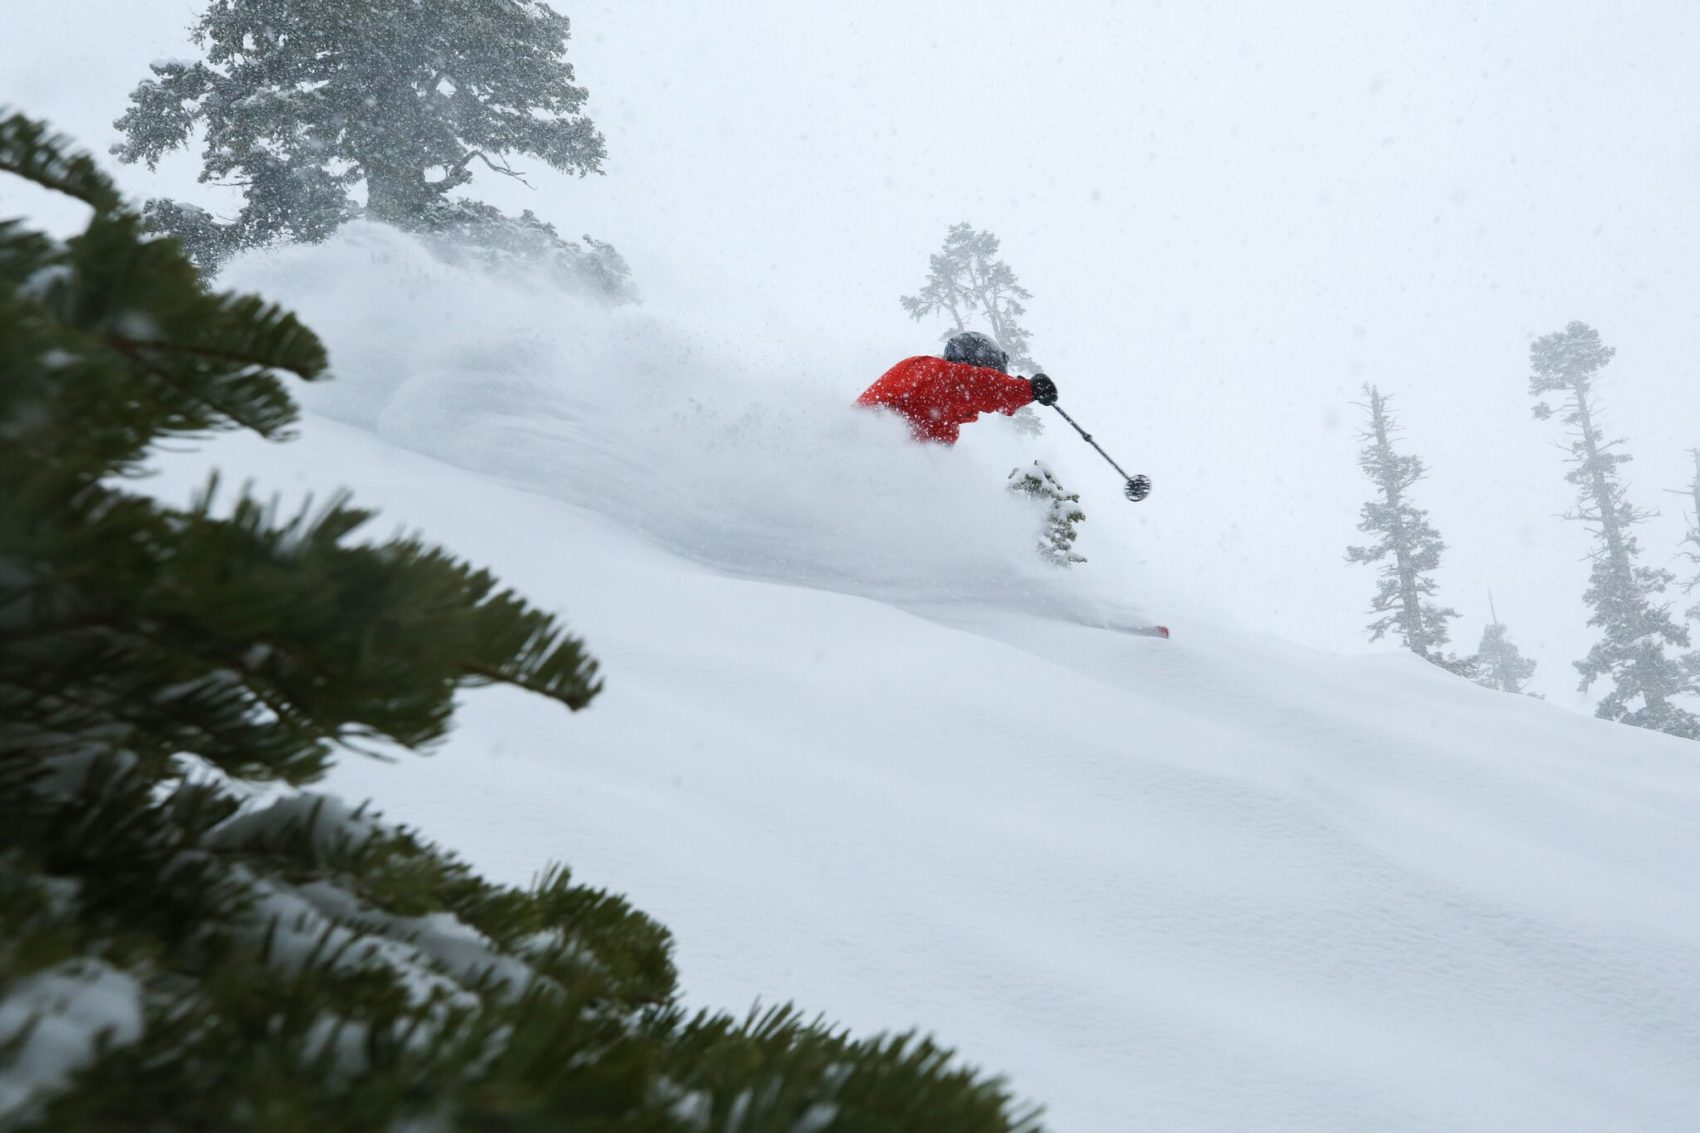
{"type": "Point", "coordinates": [751, 465]}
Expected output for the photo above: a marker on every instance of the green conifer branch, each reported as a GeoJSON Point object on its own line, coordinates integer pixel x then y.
{"type": "Point", "coordinates": [30, 151]}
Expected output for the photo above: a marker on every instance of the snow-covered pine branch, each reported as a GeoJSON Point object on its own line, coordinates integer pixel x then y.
{"type": "Point", "coordinates": [1062, 512]}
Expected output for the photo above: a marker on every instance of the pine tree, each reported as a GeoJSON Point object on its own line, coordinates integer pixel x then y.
{"type": "Point", "coordinates": [1635, 630]}
{"type": "Point", "coordinates": [1407, 545]}
{"type": "Point", "coordinates": [1499, 663]}
{"type": "Point", "coordinates": [968, 283]}
{"type": "Point", "coordinates": [191, 940]}
{"type": "Point", "coordinates": [1062, 512]}
{"type": "Point", "coordinates": [303, 101]}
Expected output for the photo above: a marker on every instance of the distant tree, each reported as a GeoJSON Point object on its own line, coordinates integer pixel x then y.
{"type": "Point", "coordinates": [967, 284]}
{"type": "Point", "coordinates": [303, 101]}
{"type": "Point", "coordinates": [1499, 663]}
{"type": "Point", "coordinates": [189, 940]}
{"type": "Point", "coordinates": [1635, 629]}
{"type": "Point", "coordinates": [1062, 512]}
{"type": "Point", "coordinates": [1406, 545]}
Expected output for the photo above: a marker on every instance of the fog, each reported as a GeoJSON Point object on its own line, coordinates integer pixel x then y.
{"type": "Point", "coordinates": [649, 419]}
{"type": "Point", "coordinates": [1230, 217]}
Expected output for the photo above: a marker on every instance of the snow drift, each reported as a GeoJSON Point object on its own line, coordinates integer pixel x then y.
{"type": "Point", "coordinates": [856, 750]}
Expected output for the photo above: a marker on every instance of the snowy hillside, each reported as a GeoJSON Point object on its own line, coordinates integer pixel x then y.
{"type": "Point", "coordinates": [859, 749]}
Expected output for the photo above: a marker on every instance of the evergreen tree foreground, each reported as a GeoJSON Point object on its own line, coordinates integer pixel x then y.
{"type": "Point", "coordinates": [191, 940]}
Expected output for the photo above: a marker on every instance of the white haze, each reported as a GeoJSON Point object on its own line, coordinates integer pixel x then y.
{"type": "Point", "coordinates": [1209, 884]}
{"type": "Point", "coordinates": [1230, 215]}
{"type": "Point", "coordinates": [655, 422]}
{"type": "Point", "coordinates": [1237, 883]}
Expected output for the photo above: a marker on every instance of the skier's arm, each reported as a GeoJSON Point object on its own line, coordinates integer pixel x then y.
{"type": "Point", "coordinates": [983, 390]}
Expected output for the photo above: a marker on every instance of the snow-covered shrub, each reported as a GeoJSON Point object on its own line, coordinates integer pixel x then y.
{"type": "Point", "coordinates": [1499, 664]}
{"type": "Point", "coordinates": [1062, 512]}
{"type": "Point", "coordinates": [471, 232]}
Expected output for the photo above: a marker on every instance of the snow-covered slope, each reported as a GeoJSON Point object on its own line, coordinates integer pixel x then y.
{"type": "Point", "coordinates": [860, 750]}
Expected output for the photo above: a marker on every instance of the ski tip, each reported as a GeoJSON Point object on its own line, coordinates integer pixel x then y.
{"type": "Point", "coordinates": [1162, 631]}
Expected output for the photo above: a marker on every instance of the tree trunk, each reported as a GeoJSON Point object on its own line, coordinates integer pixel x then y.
{"type": "Point", "coordinates": [396, 193]}
{"type": "Point", "coordinates": [394, 167]}
{"type": "Point", "coordinates": [1615, 546]}
{"type": "Point", "coordinates": [1410, 612]}
{"type": "Point", "coordinates": [1694, 491]}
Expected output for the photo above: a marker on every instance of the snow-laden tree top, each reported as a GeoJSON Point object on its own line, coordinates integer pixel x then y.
{"type": "Point", "coordinates": [307, 98]}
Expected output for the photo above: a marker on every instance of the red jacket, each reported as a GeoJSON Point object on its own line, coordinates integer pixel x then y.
{"type": "Point", "coordinates": [938, 396]}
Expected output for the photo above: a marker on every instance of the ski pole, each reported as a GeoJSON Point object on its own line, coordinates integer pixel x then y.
{"type": "Point", "coordinates": [1137, 487]}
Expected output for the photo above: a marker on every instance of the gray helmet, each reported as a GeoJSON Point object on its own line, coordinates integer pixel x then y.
{"type": "Point", "coordinates": [976, 349]}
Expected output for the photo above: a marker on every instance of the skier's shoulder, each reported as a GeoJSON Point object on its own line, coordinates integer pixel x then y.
{"type": "Point", "coordinates": [922, 364]}
{"type": "Point", "coordinates": [961, 375]}
{"type": "Point", "coordinates": [908, 373]}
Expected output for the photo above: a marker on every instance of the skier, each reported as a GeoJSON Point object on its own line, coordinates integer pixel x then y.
{"type": "Point", "coordinates": [940, 395]}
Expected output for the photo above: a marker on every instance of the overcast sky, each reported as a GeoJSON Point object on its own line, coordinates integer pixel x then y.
{"type": "Point", "coordinates": [1230, 216]}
